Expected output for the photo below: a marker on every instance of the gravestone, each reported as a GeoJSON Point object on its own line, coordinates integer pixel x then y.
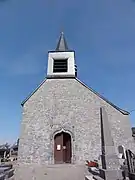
{"type": "Point", "coordinates": [122, 152]}
{"type": "Point", "coordinates": [131, 164]}
{"type": "Point", "coordinates": [110, 162]}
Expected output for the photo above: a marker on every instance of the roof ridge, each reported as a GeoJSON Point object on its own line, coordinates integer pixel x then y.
{"type": "Point", "coordinates": [102, 97]}
{"type": "Point", "coordinates": [95, 92]}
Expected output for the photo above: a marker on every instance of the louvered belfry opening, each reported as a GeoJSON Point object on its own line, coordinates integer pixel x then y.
{"type": "Point", "coordinates": [60, 65]}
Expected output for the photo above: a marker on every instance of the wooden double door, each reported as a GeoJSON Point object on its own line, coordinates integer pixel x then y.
{"type": "Point", "coordinates": [62, 148]}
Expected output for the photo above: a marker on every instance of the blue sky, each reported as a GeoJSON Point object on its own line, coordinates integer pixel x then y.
{"type": "Point", "coordinates": [102, 32]}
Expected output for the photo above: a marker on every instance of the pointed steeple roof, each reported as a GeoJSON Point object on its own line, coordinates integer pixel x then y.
{"type": "Point", "coordinates": [62, 44]}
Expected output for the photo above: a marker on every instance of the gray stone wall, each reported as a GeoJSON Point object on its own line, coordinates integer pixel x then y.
{"type": "Point", "coordinates": [67, 104]}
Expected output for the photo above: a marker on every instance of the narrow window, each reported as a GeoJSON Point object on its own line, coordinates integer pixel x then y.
{"type": "Point", "coordinates": [60, 65]}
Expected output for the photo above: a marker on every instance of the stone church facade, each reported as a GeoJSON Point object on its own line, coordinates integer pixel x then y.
{"type": "Point", "coordinates": [61, 118]}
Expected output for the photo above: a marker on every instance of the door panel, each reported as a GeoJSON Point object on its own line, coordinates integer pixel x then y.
{"type": "Point", "coordinates": [68, 151]}
{"type": "Point", "coordinates": [58, 150]}
{"type": "Point", "coordinates": [62, 148]}
{"type": "Point", "coordinates": [67, 148]}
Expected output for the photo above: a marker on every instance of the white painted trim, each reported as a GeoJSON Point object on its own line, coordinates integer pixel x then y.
{"type": "Point", "coordinates": [61, 55]}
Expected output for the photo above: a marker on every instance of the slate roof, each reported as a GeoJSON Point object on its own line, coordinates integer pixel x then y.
{"type": "Point", "coordinates": [62, 44]}
{"type": "Point", "coordinates": [14, 146]}
{"type": "Point", "coordinates": [3, 147]}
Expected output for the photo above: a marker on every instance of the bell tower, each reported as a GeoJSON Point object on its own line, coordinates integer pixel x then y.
{"type": "Point", "coordinates": [61, 62]}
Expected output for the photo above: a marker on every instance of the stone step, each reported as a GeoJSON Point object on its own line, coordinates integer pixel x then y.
{"type": "Point", "coordinates": [6, 171]}
{"type": "Point", "coordinates": [9, 173]}
{"type": "Point", "coordinates": [52, 172]}
{"type": "Point", "coordinates": [97, 178]}
{"type": "Point", "coordinates": [89, 177]}
{"type": "Point", "coordinates": [2, 176]}
{"type": "Point", "coordinates": [65, 172]}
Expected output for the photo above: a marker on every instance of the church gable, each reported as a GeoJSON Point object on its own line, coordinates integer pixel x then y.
{"type": "Point", "coordinates": [53, 82]}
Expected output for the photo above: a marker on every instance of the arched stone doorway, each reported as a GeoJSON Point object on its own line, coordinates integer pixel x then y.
{"type": "Point", "coordinates": [62, 148]}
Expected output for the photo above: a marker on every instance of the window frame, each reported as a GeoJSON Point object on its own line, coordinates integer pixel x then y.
{"type": "Point", "coordinates": [60, 65]}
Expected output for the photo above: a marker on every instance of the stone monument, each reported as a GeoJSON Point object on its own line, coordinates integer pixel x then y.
{"type": "Point", "coordinates": [110, 162]}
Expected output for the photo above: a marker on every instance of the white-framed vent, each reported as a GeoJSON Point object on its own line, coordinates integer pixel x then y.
{"type": "Point", "coordinates": [60, 65]}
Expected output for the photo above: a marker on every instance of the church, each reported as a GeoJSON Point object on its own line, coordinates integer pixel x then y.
{"type": "Point", "coordinates": [61, 118]}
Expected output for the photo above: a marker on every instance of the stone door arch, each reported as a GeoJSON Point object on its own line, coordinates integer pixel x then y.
{"type": "Point", "coordinates": [62, 148]}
